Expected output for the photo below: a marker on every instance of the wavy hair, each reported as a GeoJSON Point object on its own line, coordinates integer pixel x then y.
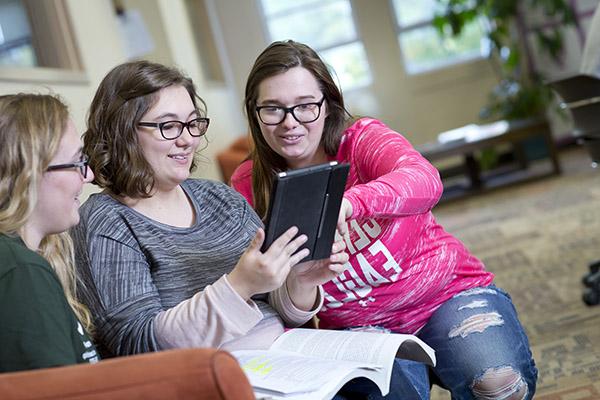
{"type": "Point", "coordinates": [276, 59]}
{"type": "Point", "coordinates": [31, 127]}
{"type": "Point", "coordinates": [124, 96]}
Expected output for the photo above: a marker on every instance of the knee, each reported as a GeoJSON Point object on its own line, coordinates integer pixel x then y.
{"type": "Point", "coordinates": [500, 384]}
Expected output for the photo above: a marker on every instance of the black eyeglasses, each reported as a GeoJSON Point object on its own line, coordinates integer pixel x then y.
{"type": "Point", "coordinates": [81, 164]}
{"type": "Point", "coordinates": [303, 113]}
{"type": "Point", "coordinates": [171, 130]}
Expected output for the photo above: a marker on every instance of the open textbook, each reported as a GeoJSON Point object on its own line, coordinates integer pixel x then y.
{"type": "Point", "coordinates": [315, 363]}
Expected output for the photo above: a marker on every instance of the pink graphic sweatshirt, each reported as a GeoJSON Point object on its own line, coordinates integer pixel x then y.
{"type": "Point", "coordinates": [403, 265]}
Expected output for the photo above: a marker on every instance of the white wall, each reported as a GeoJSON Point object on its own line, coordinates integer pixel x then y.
{"type": "Point", "coordinates": [418, 106]}
{"type": "Point", "coordinates": [101, 48]}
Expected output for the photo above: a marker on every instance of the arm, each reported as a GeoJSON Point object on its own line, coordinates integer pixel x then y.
{"type": "Point", "coordinates": [133, 319]}
{"type": "Point", "coordinates": [299, 299]}
{"type": "Point", "coordinates": [397, 180]}
{"type": "Point", "coordinates": [37, 323]}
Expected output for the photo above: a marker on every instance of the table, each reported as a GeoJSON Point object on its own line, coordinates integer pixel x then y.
{"type": "Point", "coordinates": [465, 141]}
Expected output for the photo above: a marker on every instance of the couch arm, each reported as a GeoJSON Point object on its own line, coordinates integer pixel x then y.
{"type": "Point", "coordinates": [174, 374]}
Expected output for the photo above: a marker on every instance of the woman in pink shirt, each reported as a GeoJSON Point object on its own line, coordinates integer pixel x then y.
{"type": "Point", "coordinates": [405, 273]}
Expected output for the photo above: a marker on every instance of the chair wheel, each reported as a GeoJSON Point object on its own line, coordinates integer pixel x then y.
{"type": "Point", "coordinates": [591, 297]}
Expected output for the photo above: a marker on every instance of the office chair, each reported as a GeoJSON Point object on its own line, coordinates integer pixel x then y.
{"type": "Point", "coordinates": [581, 95]}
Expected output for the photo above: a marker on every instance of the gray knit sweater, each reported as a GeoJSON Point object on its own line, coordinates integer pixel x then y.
{"type": "Point", "coordinates": [151, 286]}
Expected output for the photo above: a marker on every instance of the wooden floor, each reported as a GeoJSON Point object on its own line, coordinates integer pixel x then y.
{"type": "Point", "coordinates": [538, 238]}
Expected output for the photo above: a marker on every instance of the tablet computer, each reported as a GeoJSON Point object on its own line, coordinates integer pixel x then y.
{"type": "Point", "coordinates": [310, 199]}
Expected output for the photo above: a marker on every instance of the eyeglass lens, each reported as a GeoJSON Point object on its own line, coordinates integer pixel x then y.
{"type": "Point", "coordinates": [302, 113]}
{"type": "Point", "coordinates": [173, 129]}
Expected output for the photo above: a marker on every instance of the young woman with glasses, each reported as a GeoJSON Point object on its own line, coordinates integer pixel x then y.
{"type": "Point", "coordinates": [42, 173]}
{"type": "Point", "coordinates": [171, 261]}
{"type": "Point", "coordinates": [405, 273]}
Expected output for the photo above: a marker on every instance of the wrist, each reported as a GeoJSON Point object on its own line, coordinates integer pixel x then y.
{"type": "Point", "coordinates": [303, 296]}
{"type": "Point", "coordinates": [239, 286]}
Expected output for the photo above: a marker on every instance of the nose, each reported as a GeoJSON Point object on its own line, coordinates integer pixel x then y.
{"type": "Point", "coordinates": [185, 139]}
{"type": "Point", "coordinates": [289, 121]}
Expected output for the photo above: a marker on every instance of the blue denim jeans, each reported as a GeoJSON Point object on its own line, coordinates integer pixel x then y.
{"type": "Point", "coordinates": [481, 348]}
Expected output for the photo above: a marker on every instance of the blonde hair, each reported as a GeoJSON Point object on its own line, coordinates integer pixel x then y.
{"type": "Point", "coordinates": [31, 127]}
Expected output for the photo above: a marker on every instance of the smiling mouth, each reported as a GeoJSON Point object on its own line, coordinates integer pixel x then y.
{"type": "Point", "coordinates": [291, 137]}
{"type": "Point", "coordinates": [180, 157]}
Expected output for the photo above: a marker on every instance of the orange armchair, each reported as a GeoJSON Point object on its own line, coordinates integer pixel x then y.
{"type": "Point", "coordinates": [175, 374]}
{"type": "Point", "coordinates": [232, 156]}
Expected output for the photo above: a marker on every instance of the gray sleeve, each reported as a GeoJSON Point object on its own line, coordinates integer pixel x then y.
{"type": "Point", "coordinates": [124, 300]}
{"type": "Point", "coordinates": [145, 283]}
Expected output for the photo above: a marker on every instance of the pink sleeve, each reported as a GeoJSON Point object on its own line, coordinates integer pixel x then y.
{"type": "Point", "coordinates": [241, 181]}
{"type": "Point", "coordinates": [397, 179]}
{"type": "Point", "coordinates": [208, 319]}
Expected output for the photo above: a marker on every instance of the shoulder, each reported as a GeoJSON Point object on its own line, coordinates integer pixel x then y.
{"type": "Point", "coordinates": [220, 201]}
{"type": "Point", "coordinates": [243, 173]}
{"type": "Point", "coordinates": [98, 204]}
{"type": "Point", "coordinates": [366, 125]}
{"type": "Point", "coordinates": [15, 256]}
{"type": "Point", "coordinates": [241, 180]}
{"type": "Point", "coordinates": [214, 195]}
{"type": "Point", "coordinates": [372, 133]}
{"type": "Point", "coordinates": [101, 215]}
{"type": "Point", "coordinates": [206, 189]}
{"type": "Point", "coordinates": [22, 269]}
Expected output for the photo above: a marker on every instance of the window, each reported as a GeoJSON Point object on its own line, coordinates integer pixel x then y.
{"type": "Point", "coordinates": [15, 35]}
{"type": "Point", "coordinates": [328, 27]}
{"type": "Point", "coordinates": [37, 34]}
{"type": "Point", "coordinates": [422, 47]}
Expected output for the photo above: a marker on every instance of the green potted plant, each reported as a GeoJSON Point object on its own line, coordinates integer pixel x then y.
{"type": "Point", "coordinates": [521, 91]}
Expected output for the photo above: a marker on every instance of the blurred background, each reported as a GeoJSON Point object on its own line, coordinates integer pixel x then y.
{"type": "Point", "coordinates": [390, 60]}
{"type": "Point", "coordinates": [423, 67]}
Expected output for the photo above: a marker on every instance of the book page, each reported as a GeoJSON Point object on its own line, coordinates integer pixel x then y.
{"type": "Point", "coordinates": [289, 375]}
{"type": "Point", "coordinates": [369, 347]}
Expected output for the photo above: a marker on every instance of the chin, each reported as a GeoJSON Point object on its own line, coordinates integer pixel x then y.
{"type": "Point", "coordinates": [74, 221]}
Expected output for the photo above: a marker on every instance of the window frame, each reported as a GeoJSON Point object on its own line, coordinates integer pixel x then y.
{"type": "Point", "coordinates": [320, 50]}
{"type": "Point", "coordinates": [53, 39]}
{"type": "Point", "coordinates": [448, 64]}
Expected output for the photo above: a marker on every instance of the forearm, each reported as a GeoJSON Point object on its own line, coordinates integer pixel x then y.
{"type": "Point", "coordinates": [393, 179]}
{"type": "Point", "coordinates": [208, 319]}
{"type": "Point", "coordinates": [296, 305]}
{"type": "Point", "coordinates": [396, 194]}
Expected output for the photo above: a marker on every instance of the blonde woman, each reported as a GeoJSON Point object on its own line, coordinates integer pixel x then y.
{"type": "Point", "coordinates": [42, 173]}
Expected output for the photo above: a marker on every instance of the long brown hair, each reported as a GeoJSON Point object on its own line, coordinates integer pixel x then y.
{"type": "Point", "coordinates": [125, 94]}
{"type": "Point", "coordinates": [31, 127]}
{"type": "Point", "coordinates": [276, 59]}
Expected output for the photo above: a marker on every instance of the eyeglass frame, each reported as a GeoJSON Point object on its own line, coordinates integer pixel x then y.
{"type": "Point", "coordinates": [82, 164]}
{"type": "Point", "coordinates": [160, 125]}
{"type": "Point", "coordinates": [290, 110]}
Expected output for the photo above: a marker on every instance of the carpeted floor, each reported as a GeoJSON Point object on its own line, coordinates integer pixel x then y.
{"type": "Point", "coordinates": [538, 238]}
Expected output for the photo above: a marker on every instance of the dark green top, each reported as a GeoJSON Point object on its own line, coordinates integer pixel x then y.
{"type": "Point", "coordinates": [38, 328]}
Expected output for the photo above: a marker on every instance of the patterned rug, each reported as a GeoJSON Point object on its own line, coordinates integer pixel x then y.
{"type": "Point", "coordinates": [538, 238]}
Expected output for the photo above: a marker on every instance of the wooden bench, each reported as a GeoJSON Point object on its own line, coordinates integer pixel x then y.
{"type": "Point", "coordinates": [467, 140]}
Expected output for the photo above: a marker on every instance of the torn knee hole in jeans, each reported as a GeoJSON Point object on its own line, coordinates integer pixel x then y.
{"type": "Point", "coordinates": [476, 323]}
{"type": "Point", "coordinates": [502, 383]}
{"type": "Point", "coordinates": [474, 304]}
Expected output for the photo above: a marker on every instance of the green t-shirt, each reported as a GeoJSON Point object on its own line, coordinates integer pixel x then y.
{"type": "Point", "coordinates": [38, 328]}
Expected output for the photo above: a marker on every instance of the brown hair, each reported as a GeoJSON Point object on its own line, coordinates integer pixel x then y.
{"type": "Point", "coordinates": [31, 127]}
{"type": "Point", "coordinates": [125, 94]}
{"type": "Point", "coordinates": [276, 59]}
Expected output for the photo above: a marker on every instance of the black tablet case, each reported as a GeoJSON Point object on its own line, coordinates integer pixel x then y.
{"type": "Point", "coordinates": [310, 199]}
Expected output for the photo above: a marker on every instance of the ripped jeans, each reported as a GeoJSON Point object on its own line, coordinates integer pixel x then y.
{"type": "Point", "coordinates": [481, 348]}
